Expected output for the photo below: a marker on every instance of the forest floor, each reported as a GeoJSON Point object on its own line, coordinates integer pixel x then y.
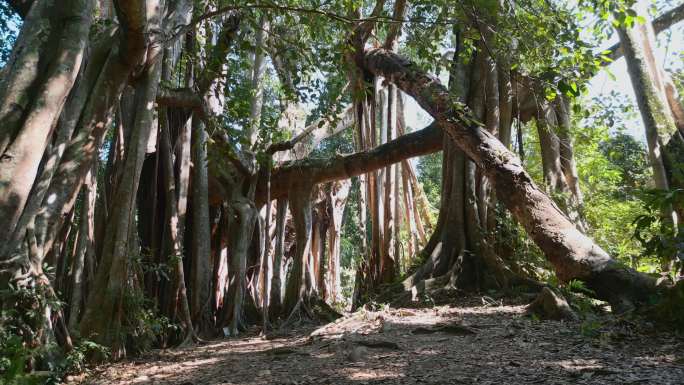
{"type": "Point", "coordinates": [475, 340]}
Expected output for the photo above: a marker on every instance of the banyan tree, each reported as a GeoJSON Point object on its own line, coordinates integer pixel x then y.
{"type": "Point", "coordinates": [195, 158]}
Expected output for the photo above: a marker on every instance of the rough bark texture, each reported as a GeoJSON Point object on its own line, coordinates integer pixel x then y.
{"type": "Point", "coordinates": [277, 286]}
{"type": "Point", "coordinates": [86, 247]}
{"type": "Point", "coordinates": [32, 97]}
{"type": "Point", "coordinates": [201, 237]}
{"type": "Point", "coordinates": [337, 194]}
{"type": "Point", "coordinates": [297, 285]}
{"type": "Point", "coordinates": [175, 223]}
{"type": "Point", "coordinates": [417, 143]}
{"type": "Point", "coordinates": [665, 141]}
{"type": "Point", "coordinates": [102, 320]}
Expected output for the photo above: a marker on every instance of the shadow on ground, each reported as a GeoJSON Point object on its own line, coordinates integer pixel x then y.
{"type": "Point", "coordinates": [409, 346]}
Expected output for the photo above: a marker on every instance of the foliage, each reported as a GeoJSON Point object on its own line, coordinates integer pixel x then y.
{"type": "Point", "coordinates": [612, 168]}
{"type": "Point", "coordinates": [14, 354]}
{"type": "Point", "coordinates": [670, 310]}
{"type": "Point", "coordinates": [658, 234]}
{"type": "Point", "coordinates": [9, 29]}
{"type": "Point", "coordinates": [513, 245]}
{"type": "Point", "coordinates": [429, 169]}
{"type": "Point", "coordinates": [630, 157]}
{"type": "Point", "coordinates": [143, 327]}
{"type": "Point", "coordinates": [75, 361]}
{"type": "Point", "coordinates": [24, 342]}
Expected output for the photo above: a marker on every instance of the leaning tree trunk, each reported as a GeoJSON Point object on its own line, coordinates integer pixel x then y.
{"type": "Point", "coordinates": [573, 255]}
{"type": "Point", "coordinates": [665, 141]}
{"type": "Point", "coordinates": [458, 245]}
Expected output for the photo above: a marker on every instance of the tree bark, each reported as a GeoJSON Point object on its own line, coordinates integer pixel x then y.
{"type": "Point", "coordinates": [337, 194]}
{"type": "Point", "coordinates": [32, 97]}
{"type": "Point", "coordinates": [665, 141]}
{"type": "Point", "coordinates": [86, 247]}
{"type": "Point", "coordinates": [300, 206]}
{"type": "Point", "coordinates": [201, 271]}
{"type": "Point", "coordinates": [175, 222]}
{"type": "Point", "coordinates": [102, 320]}
{"type": "Point", "coordinates": [277, 285]}
{"type": "Point", "coordinates": [573, 255]}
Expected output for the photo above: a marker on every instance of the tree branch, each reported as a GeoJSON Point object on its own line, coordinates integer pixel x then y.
{"type": "Point", "coordinates": [318, 131]}
{"type": "Point", "coordinates": [418, 143]}
{"type": "Point", "coordinates": [660, 23]}
{"type": "Point", "coordinates": [21, 7]}
{"type": "Point", "coordinates": [395, 29]}
{"type": "Point", "coordinates": [214, 69]}
{"type": "Point", "coordinates": [179, 98]}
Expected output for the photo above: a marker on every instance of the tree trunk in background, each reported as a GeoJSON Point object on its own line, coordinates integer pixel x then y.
{"type": "Point", "coordinates": [258, 68]}
{"type": "Point", "coordinates": [388, 263]}
{"type": "Point", "coordinates": [174, 220]}
{"type": "Point", "coordinates": [337, 193]}
{"type": "Point", "coordinates": [201, 271]}
{"type": "Point", "coordinates": [567, 159]}
{"type": "Point", "coordinates": [86, 247]}
{"type": "Point", "coordinates": [375, 183]}
{"type": "Point", "coordinates": [242, 217]}
{"type": "Point", "coordinates": [665, 141]}
{"type": "Point", "coordinates": [319, 256]}
{"type": "Point", "coordinates": [550, 149]}
{"type": "Point", "coordinates": [363, 269]}
{"type": "Point", "coordinates": [277, 286]}
{"type": "Point", "coordinates": [297, 284]}
{"type": "Point", "coordinates": [102, 320]}
{"type": "Point", "coordinates": [266, 263]}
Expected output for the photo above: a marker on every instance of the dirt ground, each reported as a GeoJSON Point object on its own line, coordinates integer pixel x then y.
{"type": "Point", "coordinates": [475, 341]}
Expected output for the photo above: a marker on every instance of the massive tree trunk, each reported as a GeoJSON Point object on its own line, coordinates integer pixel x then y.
{"type": "Point", "coordinates": [103, 317]}
{"type": "Point", "coordinates": [573, 255]}
{"type": "Point", "coordinates": [211, 91]}
{"type": "Point", "coordinates": [41, 72]}
{"type": "Point", "coordinates": [175, 218]}
{"type": "Point", "coordinates": [90, 112]}
{"type": "Point", "coordinates": [459, 244]}
{"type": "Point", "coordinates": [102, 320]}
{"type": "Point", "coordinates": [297, 285]}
